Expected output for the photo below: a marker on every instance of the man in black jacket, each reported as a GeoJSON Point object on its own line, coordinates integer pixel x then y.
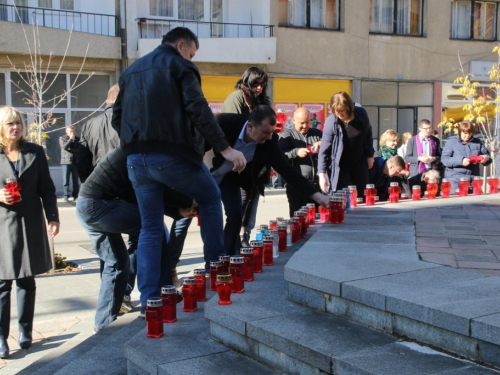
{"type": "Point", "coordinates": [300, 145]}
{"type": "Point", "coordinates": [163, 121]}
{"type": "Point", "coordinates": [106, 208]}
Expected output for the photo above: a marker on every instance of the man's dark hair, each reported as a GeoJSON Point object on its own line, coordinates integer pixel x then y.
{"type": "Point", "coordinates": [397, 161]}
{"type": "Point", "coordinates": [260, 113]}
{"type": "Point", "coordinates": [174, 35]}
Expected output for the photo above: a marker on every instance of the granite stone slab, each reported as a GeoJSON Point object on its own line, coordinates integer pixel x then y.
{"type": "Point", "coordinates": [315, 337]}
{"type": "Point", "coordinates": [487, 328]}
{"type": "Point", "coordinates": [339, 234]}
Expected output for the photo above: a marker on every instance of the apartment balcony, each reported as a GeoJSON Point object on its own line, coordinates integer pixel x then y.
{"type": "Point", "coordinates": [97, 31]}
{"type": "Point", "coordinates": [219, 42]}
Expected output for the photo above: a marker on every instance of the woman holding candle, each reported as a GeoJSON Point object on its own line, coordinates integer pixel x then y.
{"type": "Point", "coordinates": [24, 248]}
{"type": "Point", "coordinates": [460, 154]}
{"type": "Point", "coordinates": [346, 152]}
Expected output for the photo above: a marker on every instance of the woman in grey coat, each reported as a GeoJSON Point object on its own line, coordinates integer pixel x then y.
{"type": "Point", "coordinates": [24, 248]}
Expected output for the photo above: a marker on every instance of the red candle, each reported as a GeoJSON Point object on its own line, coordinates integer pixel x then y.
{"type": "Point", "coordinates": [416, 192]}
{"type": "Point", "coordinates": [189, 294]}
{"type": "Point", "coordinates": [267, 251]}
{"type": "Point", "coordinates": [477, 186]}
{"type": "Point", "coordinates": [236, 269]}
{"type": "Point", "coordinates": [281, 237]}
{"type": "Point", "coordinates": [224, 287]}
{"type": "Point", "coordinates": [225, 263]}
{"type": "Point", "coordinates": [257, 255]}
{"type": "Point", "coordinates": [432, 188]}
{"type": "Point", "coordinates": [353, 195]}
{"type": "Point", "coordinates": [335, 208]}
{"type": "Point", "coordinates": [295, 229]}
{"type": "Point", "coordinates": [370, 193]}
{"type": "Point", "coordinates": [312, 213]}
{"type": "Point", "coordinates": [248, 256]}
{"type": "Point", "coordinates": [13, 187]}
{"type": "Point", "coordinates": [445, 188]}
{"type": "Point", "coordinates": [272, 224]}
{"type": "Point", "coordinates": [394, 191]}
{"type": "Point", "coordinates": [493, 184]}
{"type": "Point", "coordinates": [201, 285]}
{"type": "Point", "coordinates": [404, 196]}
{"type": "Point", "coordinates": [463, 187]}
{"type": "Point", "coordinates": [215, 268]}
{"type": "Point", "coordinates": [154, 318]}
{"type": "Point", "coordinates": [169, 300]}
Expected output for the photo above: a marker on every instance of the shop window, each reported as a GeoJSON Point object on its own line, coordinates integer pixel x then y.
{"type": "Point", "coordinates": [90, 94]}
{"type": "Point", "coordinates": [191, 10]}
{"type": "Point", "coordinates": [400, 17]}
{"type": "Point", "coordinates": [164, 8]}
{"type": "Point", "coordinates": [316, 14]}
{"type": "Point", "coordinates": [474, 20]}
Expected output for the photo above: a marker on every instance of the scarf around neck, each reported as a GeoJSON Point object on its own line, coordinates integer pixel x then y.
{"type": "Point", "coordinates": [388, 152]}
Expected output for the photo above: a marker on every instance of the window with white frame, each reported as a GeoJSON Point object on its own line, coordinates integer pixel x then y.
{"type": "Point", "coordinates": [474, 20]}
{"type": "Point", "coordinates": [400, 17]}
{"type": "Point", "coordinates": [316, 14]}
{"type": "Point", "coordinates": [163, 8]}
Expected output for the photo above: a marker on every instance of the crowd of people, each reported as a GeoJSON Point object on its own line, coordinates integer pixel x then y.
{"type": "Point", "coordinates": [142, 158]}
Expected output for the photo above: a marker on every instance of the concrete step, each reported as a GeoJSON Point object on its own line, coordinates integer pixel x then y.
{"type": "Point", "coordinates": [264, 325]}
{"type": "Point", "coordinates": [89, 353]}
{"type": "Point", "coordinates": [370, 274]}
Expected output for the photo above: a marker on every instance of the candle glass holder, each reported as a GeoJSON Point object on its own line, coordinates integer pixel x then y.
{"type": "Point", "coordinates": [248, 256]}
{"type": "Point", "coordinates": [154, 318]}
{"type": "Point", "coordinates": [189, 295]}
{"type": "Point", "coordinates": [169, 300]}
{"type": "Point", "coordinates": [237, 271]}
{"type": "Point", "coordinates": [224, 287]}
{"type": "Point", "coordinates": [445, 188]}
{"type": "Point", "coordinates": [201, 285]}
{"type": "Point", "coordinates": [215, 268]}
{"type": "Point", "coordinates": [257, 255]}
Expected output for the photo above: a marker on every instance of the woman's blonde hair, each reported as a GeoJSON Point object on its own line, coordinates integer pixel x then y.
{"type": "Point", "coordinates": [405, 137]}
{"type": "Point", "coordinates": [8, 115]}
{"type": "Point", "coordinates": [387, 136]}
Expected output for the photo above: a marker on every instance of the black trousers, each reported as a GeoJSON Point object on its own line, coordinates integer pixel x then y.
{"type": "Point", "coordinates": [26, 291]}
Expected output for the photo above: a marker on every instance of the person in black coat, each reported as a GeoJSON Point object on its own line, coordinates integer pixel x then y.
{"type": "Point", "coordinates": [68, 163]}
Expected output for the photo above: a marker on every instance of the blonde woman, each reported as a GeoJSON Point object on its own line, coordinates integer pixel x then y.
{"type": "Point", "coordinates": [388, 144]}
{"type": "Point", "coordinates": [24, 249]}
{"type": "Point", "coordinates": [404, 141]}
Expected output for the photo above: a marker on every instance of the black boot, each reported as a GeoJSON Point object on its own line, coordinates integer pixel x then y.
{"type": "Point", "coordinates": [4, 348]}
{"type": "Point", "coordinates": [244, 240]}
{"type": "Point", "coordinates": [25, 340]}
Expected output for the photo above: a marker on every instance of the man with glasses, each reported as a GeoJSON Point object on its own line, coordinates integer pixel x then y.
{"type": "Point", "coordinates": [423, 151]}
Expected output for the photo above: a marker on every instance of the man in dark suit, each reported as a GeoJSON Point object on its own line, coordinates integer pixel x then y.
{"type": "Point", "coordinates": [254, 136]}
{"type": "Point", "coordinates": [423, 151]}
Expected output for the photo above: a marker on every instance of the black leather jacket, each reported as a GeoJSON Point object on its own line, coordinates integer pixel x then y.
{"type": "Point", "coordinates": [161, 108]}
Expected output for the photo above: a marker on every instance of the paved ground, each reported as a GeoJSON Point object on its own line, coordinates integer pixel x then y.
{"type": "Point", "coordinates": [65, 301]}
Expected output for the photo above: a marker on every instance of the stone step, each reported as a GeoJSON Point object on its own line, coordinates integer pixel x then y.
{"type": "Point", "coordinates": [367, 271]}
{"type": "Point", "coordinates": [89, 353]}
{"type": "Point", "coordinates": [264, 325]}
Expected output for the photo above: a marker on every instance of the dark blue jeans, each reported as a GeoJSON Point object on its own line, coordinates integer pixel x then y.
{"type": "Point", "coordinates": [105, 221]}
{"type": "Point", "coordinates": [67, 171]}
{"type": "Point", "coordinates": [149, 173]}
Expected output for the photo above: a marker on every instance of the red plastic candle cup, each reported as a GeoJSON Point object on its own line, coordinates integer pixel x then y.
{"type": "Point", "coordinates": [224, 287]}
{"type": "Point", "coordinates": [297, 215]}
{"type": "Point", "coordinates": [189, 295]}
{"type": "Point", "coordinates": [247, 254]}
{"type": "Point", "coordinates": [335, 208]}
{"type": "Point", "coordinates": [475, 159]}
{"type": "Point", "coordinates": [272, 224]}
{"type": "Point", "coordinates": [13, 187]}
{"type": "Point", "coordinates": [432, 188]}
{"type": "Point", "coordinates": [295, 229]}
{"type": "Point", "coordinates": [257, 255]}
{"type": "Point", "coordinates": [312, 213]}
{"type": "Point", "coordinates": [416, 192]}
{"type": "Point", "coordinates": [281, 237]}
{"type": "Point", "coordinates": [264, 228]}
{"type": "Point", "coordinates": [394, 191]}
{"type": "Point", "coordinates": [323, 214]}
{"type": "Point", "coordinates": [359, 201]}
{"type": "Point", "coordinates": [312, 149]}
{"type": "Point", "coordinates": [225, 263]}
{"type": "Point", "coordinates": [353, 195]}
{"type": "Point", "coordinates": [341, 202]}
{"type": "Point", "coordinates": [493, 185]}
{"type": "Point", "coordinates": [267, 251]}
{"type": "Point", "coordinates": [445, 188]}
{"type": "Point", "coordinates": [237, 271]}
{"type": "Point", "coordinates": [404, 196]}
{"type": "Point", "coordinates": [477, 186]}
{"type": "Point", "coordinates": [370, 193]}
{"type": "Point", "coordinates": [201, 285]}
{"type": "Point", "coordinates": [169, 300]}
{"type": "Point", "coordinates": [463, 187]}
{"type": "Point", "coordinates": [302, 222]}
{"type": "Point", "coordinates": [305, 212]}
{"type": "Point", "coordinates": [154, 318]}
{"type": "Point", "coordinates": [215, 268]}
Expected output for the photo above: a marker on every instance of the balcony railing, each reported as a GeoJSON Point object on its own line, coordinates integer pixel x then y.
{"type": "Point", "coordinates": [92, 23]}
{"type": "Point", "coordinates": [152, 28]}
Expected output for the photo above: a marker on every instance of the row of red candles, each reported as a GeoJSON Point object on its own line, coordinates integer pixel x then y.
{"type": "Point", "coordinates": [229, 274]}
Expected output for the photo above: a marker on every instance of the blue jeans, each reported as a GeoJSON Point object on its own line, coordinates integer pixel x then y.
{"type": "Point", "coordinates": [149, 173]}
{"type": "Point", "coordinates": [178, 233]}
{"type": "Point", "coordinates": [105, 221]}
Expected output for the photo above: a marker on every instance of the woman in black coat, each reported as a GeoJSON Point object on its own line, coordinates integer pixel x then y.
{"type": "Point", "coordinates": [457, 152]}
{"type": "Point", "coordinates": [24, 248]}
